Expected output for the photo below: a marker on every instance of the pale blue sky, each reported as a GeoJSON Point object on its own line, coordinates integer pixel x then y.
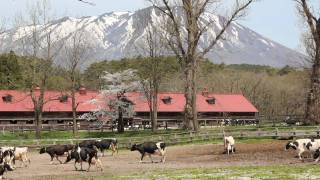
{"type": "Point", "coordinates": [275, 19]}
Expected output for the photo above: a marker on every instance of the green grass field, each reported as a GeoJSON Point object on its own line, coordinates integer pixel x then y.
{"type": "Point", "coordinates": [226, 173]}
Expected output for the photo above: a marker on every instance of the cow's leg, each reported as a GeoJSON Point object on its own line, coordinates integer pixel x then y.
{"type": "Point", "coordinates": [99, 164]}
{"type": "Point", "coordinates": [89, 166]}
{"type": "Point", "coordinates": [52, 156]}
{"type": "Point", "coordinates": [57, 157]}
{"type": "Point", "coordinates": [81, 166]}
{"type": "Point", "coordinates": [142, 156]}
{"type": "Point", "coordinates": [150, 158]}
{"type": "Point", "coordinates": [75, 165]}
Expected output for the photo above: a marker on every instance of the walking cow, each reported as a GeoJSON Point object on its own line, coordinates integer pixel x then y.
{"type": "Point", "coordinates": [151, 148]}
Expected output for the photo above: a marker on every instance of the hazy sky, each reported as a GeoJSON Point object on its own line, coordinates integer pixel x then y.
{"type": "Point", "coordinates": [275, 19]}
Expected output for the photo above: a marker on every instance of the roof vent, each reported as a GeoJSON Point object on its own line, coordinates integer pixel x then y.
{"type": "Point", "coordinates": [166, 100]}
{"type": "Point", "coordinates": [82, 91]}
{"type": "Point", "coordinates": [211, 100]}
{"type": "Point", "coordinates": [7, 98]}
{"type": "Point", "coordinates": [63, 98]}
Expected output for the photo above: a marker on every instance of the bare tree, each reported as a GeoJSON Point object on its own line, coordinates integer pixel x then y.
{"type": "Point", "coordinates": [42, 46]}
{"type": "Point", "coordinates": [153, 67]}
{"type": "Point", "coordinates": [312, 45]}
{"type": "Point", "coordinates": [186, 47]}
{"type": "Point", "coordinates": [76, 52]}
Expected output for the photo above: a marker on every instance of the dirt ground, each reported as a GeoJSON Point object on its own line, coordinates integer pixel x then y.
{"type": "Point", "coordinates": [178, 157]}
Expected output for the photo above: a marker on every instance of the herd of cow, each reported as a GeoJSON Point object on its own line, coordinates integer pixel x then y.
{"type": "Point", "coordinates": [87, 151]}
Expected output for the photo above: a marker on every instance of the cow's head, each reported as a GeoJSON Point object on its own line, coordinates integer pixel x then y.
{"type": "Point", "coordinates": [292, 145]}
{"type": "Point", "coordinates": [133, 147]}
{"type": "Point", "coordinates": [309, 144]}
{"type": "Point", "coordinates": [43, 150]}
{"type": "Point", "coordinates": [316, 154]}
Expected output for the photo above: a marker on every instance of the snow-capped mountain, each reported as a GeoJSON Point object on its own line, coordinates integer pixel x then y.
{"type": "Point", "coordinates": [114, 35]}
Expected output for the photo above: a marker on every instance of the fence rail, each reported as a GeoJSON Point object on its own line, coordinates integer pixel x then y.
{"type": "Point", "coordinates": [178, 138]}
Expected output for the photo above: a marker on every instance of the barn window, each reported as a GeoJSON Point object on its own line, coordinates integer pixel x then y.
{"type": "Point", "coordinates": [7, 98]}
{"type": "Point", "coordinates": [13, 122]}
{"type": "Point", "coordinates": [60, 121]}
{"type": "Point", "coordinates": [167, 100]}
{"type": "Point", "coordinates": [63, 98]}
{"type": "Point", "coordinates": [29, 122]}
{"type": "Point", "coordinates": [211, 100]}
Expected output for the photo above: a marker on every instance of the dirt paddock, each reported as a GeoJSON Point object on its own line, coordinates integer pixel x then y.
{"type": "Point", "coordinates": [178, 157]}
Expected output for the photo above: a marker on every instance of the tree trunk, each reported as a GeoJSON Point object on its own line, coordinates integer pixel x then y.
{"type": "Point", "coordinates": [154, 112]}
{"type": "Point", "coordinates": [74, 112]}
{"type": "Point", "coordinates": [312, 109]}
{"type": "Point", "coordinates": [120, 121]}
{"type": "Point", "coordinates": [38, 121]}
{"type": "Point", "coordinates": [194, 101]}
{"type": "Point", "coordinates": [190, 114]}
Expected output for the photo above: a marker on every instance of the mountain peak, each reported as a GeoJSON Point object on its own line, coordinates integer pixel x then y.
{"type": "Point", "coordinates": [114, 34]}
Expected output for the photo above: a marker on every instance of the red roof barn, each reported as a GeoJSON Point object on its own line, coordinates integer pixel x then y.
{"type": "Point", "coordinates": [16, 104]}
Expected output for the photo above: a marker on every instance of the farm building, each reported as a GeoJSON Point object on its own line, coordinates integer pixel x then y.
{"type": "Point", "coordinates": [16, 107]}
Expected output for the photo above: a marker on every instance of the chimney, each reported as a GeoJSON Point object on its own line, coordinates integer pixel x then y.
{"type": "Point", "coordinates": [82, 91]}
{"type": "Point", "coordinates": [205, 92]}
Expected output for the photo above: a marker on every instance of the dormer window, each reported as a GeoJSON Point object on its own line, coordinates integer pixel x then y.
{"type": "Point", "coordinates": [167, 100]}
{"type": "Point", "coordinates": [63, 98]}
{"type": "Point", "coordinates": [7, 98]}
{"type": "Point", "coordinates": [211, 100]}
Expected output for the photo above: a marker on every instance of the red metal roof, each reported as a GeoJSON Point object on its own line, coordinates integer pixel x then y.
{"type": "Point", "coordinates": [21, 102]}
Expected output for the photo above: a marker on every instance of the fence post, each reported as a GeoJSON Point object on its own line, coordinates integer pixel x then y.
{"type": "Point", "coordinates": [277, 133]}
{"type": "Point", "coordinates": [191, 136]}
{"type": "Point", "coordinates": [294, 132]}
{"type": "Point", "coordinates": [318, 131]}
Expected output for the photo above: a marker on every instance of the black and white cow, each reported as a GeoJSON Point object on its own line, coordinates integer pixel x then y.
{"type": "Point", "coordinates": [299, 145]}
{"type": "Point", "coordinates": [7, 156]}
{"type": "Point", "coordinates": [151, 148]}
{"type": "Point", "coordinates": [105, 144]}
{"type": "Point", "coordinates": [3, 168]}
{"type": "Point", "coordinates": [85, 154]}
{"type": "Point", "coordinates": [102, 145]}
{"type": "Point", "coordinates": [56, 151]}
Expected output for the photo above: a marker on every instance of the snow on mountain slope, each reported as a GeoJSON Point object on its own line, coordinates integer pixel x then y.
{"type": "Point", "coordinates": [114, 34]}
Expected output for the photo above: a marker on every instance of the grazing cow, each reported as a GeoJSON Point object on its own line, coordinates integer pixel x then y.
{"type": "Point", "coordinates": [151, 148]}
{"type": "Point", "coordinates": [229, 144]}
{"type": "Point", "coordinates": [3, 168]}
{"type": "Point", "coordinates": [56, 151]}
{"type": "Point", "coordinates": [21, 154]}
{"type": "Point", "coordinates": [299, 145]}
{"type": "Point", "coordinates": [80, 154]}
